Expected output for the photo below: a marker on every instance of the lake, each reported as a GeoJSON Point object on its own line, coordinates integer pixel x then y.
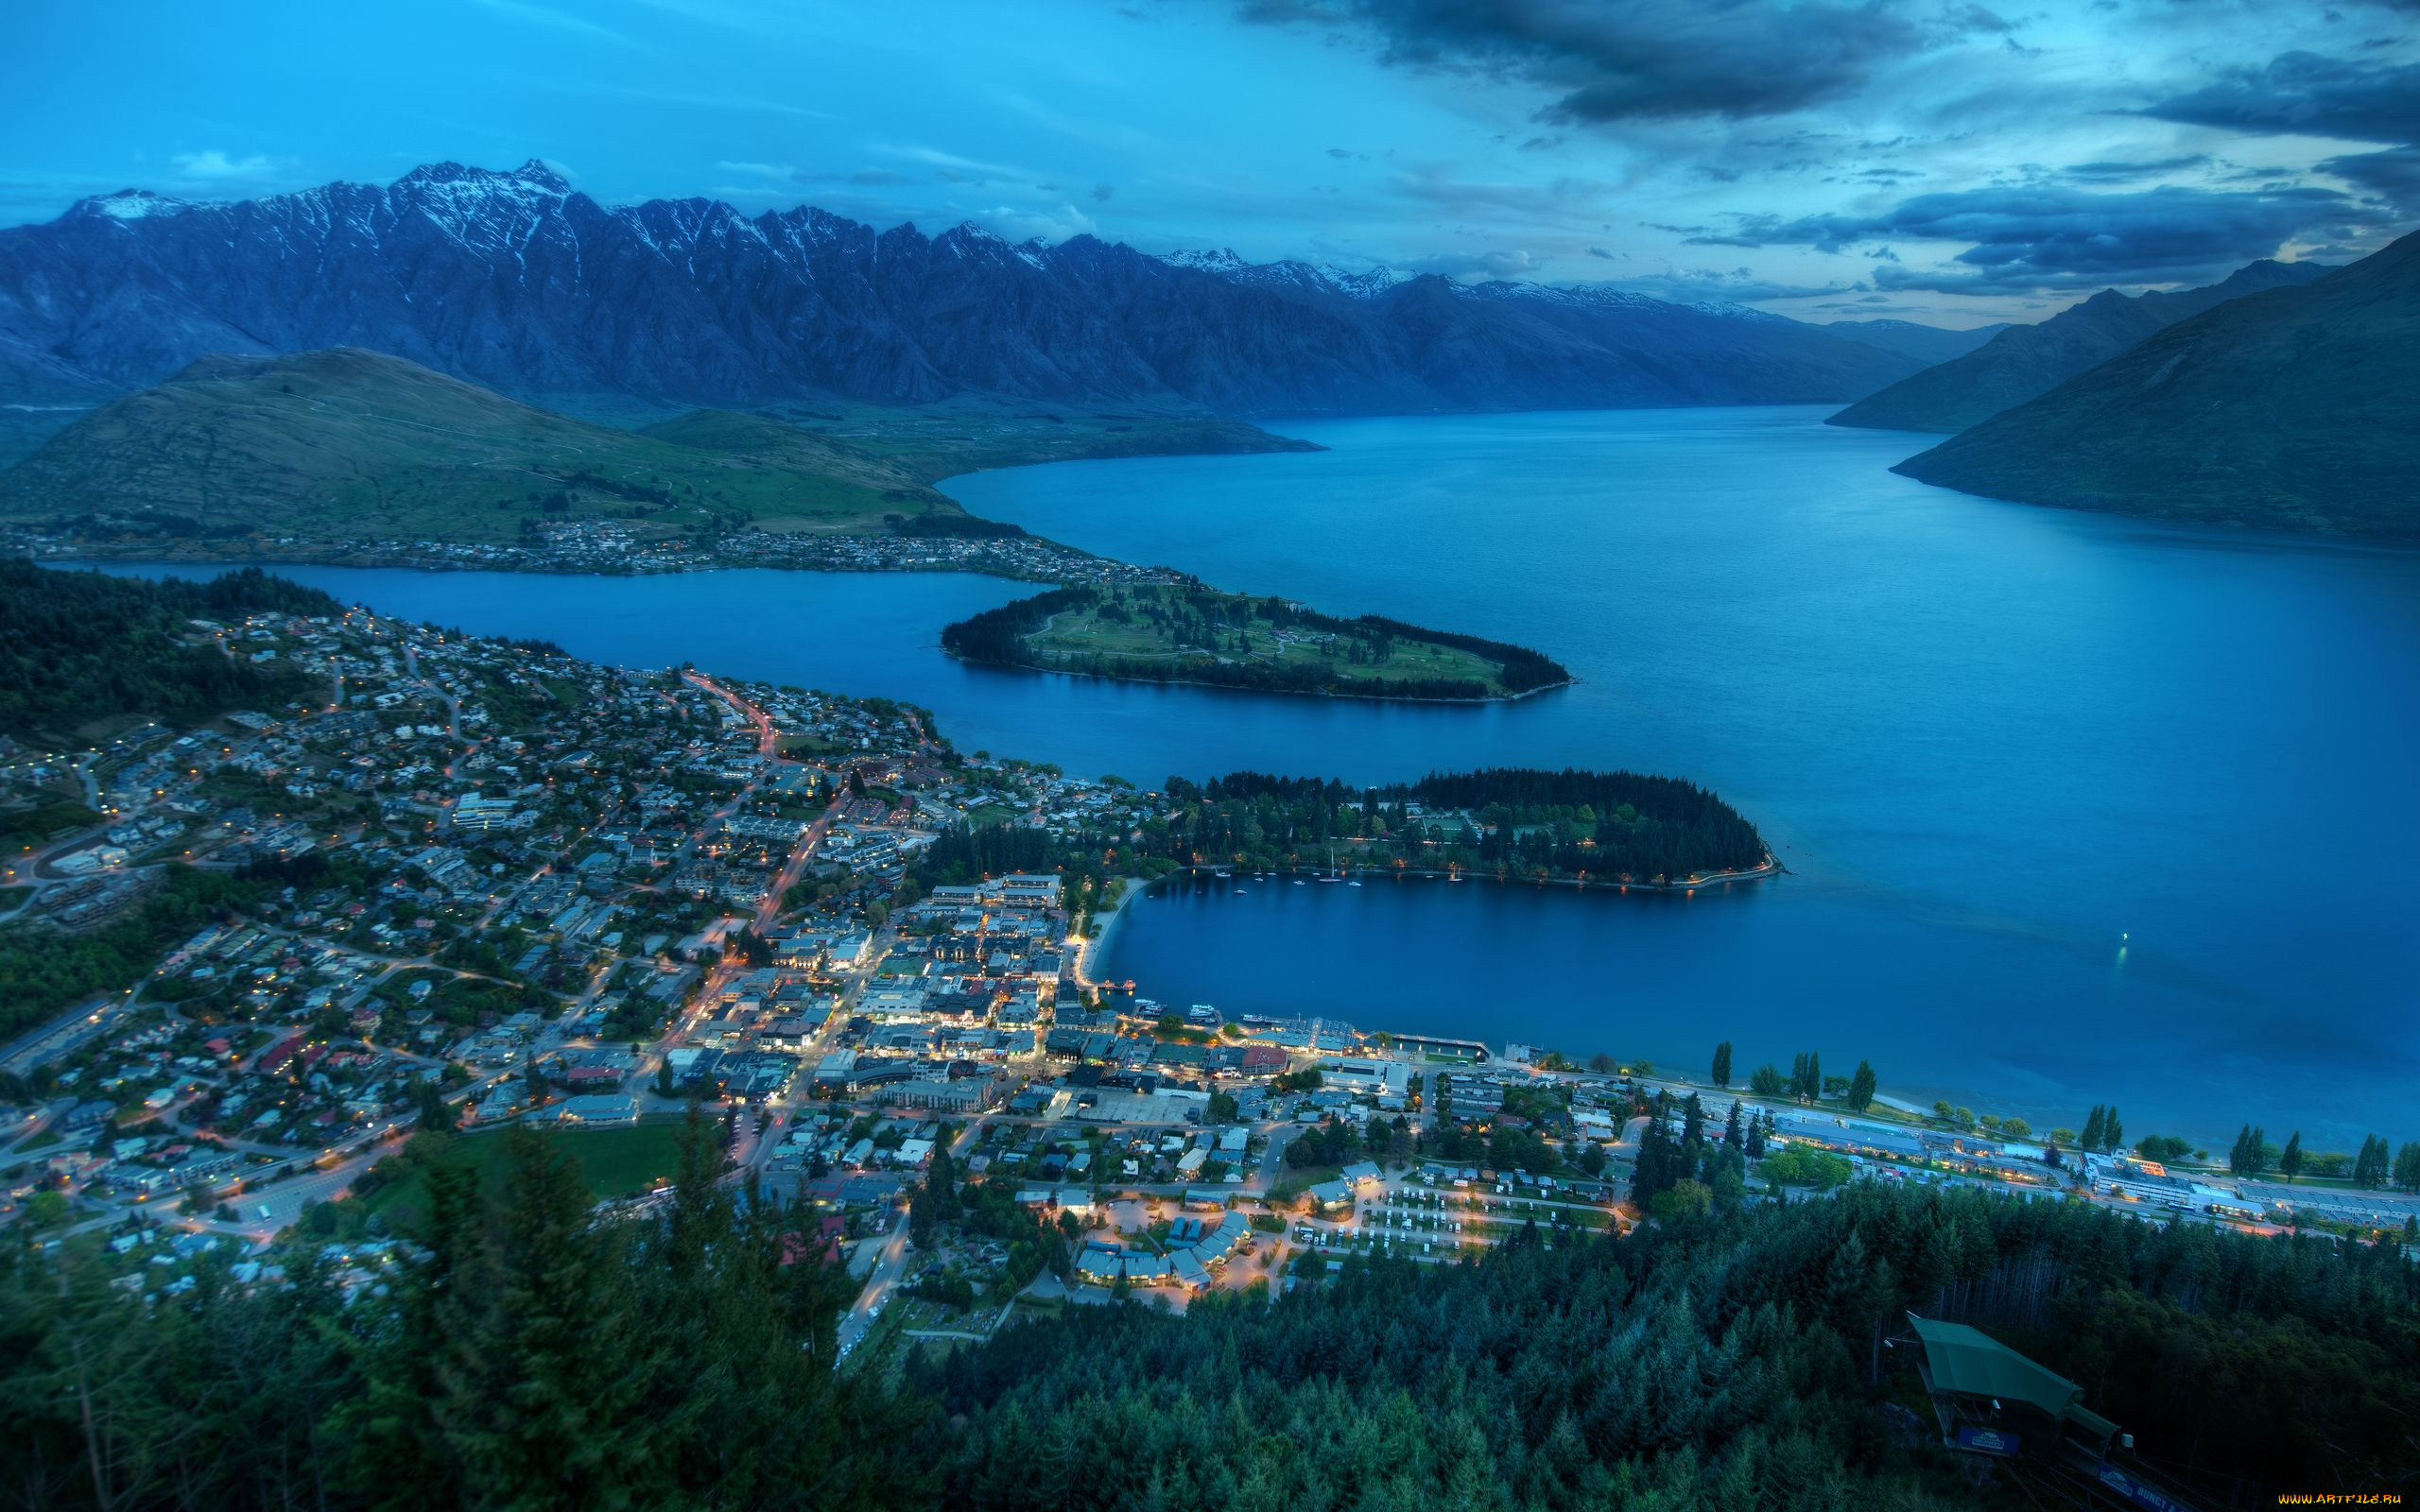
{"type": "Point", "coordinates": [2078, 809]}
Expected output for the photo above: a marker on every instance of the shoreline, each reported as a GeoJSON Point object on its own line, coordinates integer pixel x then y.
{"type": "Point", "coordinates": [1246, 688]}
{"type": "Point", "coordinates": [1098, 944]}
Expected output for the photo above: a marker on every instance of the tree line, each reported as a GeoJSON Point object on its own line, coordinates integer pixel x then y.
{"type": "Point", "coordinates": [532, 1355]}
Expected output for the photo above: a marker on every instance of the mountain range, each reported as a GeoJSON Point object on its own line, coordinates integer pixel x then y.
{"type": "Point", "coordinates": [2295, 408]}
{"type": "Point", "coordinates": [519, 283]}
{"type": "Point", "coordinates": [2022, 362]}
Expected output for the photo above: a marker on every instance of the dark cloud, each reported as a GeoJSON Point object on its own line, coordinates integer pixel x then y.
{"type": "Point", "coordinates": [2307, 94]}
{"type": "Point", "coordinates": [2027, 238]}
{"type": "Point", "coordinates": [2131, 172]}
{"type": "Point", "coordinates": [1101, 192]}
{"type": "Point", "coordinates": [1646, 59]}
{"type": "Point", "coordinates": [2393, 175]}
{"type": "Point", "coordinates": [1737, 285]}
{"type": "Point", "coordinates": [1502, 262]}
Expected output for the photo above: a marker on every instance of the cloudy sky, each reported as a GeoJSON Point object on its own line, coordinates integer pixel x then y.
{"type": "Point", "coordinates": [1939, 161]}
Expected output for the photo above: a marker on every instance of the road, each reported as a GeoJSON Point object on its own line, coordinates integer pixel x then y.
{"type": "Point", "coordinates": [893, 1259]}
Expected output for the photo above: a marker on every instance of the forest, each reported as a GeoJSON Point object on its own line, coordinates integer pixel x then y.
{"type": "Point", "coordinates": [1732, 1355]}
{"type": "Point", "coordinates": [1610, 826]}
{"type": "Point", "coordinates": [43, 969]}
{"type": "Point", "coordinates": [1200, 635]}
{"type": "Point", "coordinates": [82, 646]}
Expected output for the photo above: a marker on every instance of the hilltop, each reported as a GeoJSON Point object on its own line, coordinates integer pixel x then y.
{"type": "Point", "coordinates": [2025, 361]}
{"type": "Point", "coordinates": [2294, 409]}
{"type": "Point", "coordinates": [351, 445]}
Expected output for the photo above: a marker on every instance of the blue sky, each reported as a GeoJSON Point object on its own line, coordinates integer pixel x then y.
{"type": "Point", "coordinates": [1942, 161]}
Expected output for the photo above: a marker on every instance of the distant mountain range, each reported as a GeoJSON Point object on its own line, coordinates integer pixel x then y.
{"type": "Point", "coordinates": [514, 281]}
{"type": "Point", "coordinates": [2295, 408]}
{"type": "Point", "coordinates": [2022, 362]}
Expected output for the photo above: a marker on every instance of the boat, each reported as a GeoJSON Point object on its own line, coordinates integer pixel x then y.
{"type": "Point", "coordinates": [1297, 882]}
{"type": "Point", "coordinates": [1353, 884]}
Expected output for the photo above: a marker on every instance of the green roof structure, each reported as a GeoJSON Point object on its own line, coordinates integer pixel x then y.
{"type": "Point", "coordinates": [1966, 1362]}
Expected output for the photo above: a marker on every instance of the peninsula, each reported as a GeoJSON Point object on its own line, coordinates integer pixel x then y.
{"type": "Point", "coordinates": [1185, 633]}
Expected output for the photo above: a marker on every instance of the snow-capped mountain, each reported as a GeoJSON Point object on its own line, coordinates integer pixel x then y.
{"type": "Point", "coordinates": [517, 281]}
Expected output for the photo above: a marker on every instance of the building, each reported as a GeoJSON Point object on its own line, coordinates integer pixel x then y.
{"type": "Point", "coordinates": [967, 1094]}
{"type": "Point", "coordinates": [1367, 1079]}
{"type": "Point", "coordinates": [599, 1108]}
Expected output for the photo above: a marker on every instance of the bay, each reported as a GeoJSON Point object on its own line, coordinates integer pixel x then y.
{"type": "Point", "coordinates": [2077, 809]}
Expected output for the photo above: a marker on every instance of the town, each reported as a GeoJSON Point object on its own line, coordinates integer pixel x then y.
{"type": "Point", "coordinates": [483, 884]}
{"type": "Point", "coordinates": [616, 547]}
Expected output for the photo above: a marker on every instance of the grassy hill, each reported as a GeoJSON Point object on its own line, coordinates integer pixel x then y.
{"type": "Point", "coordinates": [2294, 410]}
{"type": "Point", "coordinates": [351, 445]}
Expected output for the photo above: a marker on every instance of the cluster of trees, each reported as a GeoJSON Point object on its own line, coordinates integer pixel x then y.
{"type": "Point", "coordinates": [2378, 1162]}
{"type": "Point", "coordinates": [76, 646]}
{"type": "Point", "coordinates": [1330, 1142]}
{"type": "Point", "coordinates": [2102, 1131]}
{"type": "Point", "coordinates": [1688, 1173]}
{"type": "Point", "coordinates": [1219, 626]}
{"type": "Point", "coordinates": [1629, 826]}
{"type": "Point", "coordinates": [44, 970]}
{"type": "Point", "coordinates": [535, 1358]}
{"type": "Point", "coordinates": [1730, 1358]}
{"type": "Point", "coordinates": [1806, 1080]}
{"type": "Point", "coordinates": [1729, 1355]}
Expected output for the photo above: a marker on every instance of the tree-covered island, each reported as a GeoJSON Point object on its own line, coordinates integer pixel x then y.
{"type": "Point", "coordinates": [1150, 632]}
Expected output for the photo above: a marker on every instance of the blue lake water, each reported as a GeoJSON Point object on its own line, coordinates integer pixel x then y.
{"type": "Point", "coordinates": [2078, 809]}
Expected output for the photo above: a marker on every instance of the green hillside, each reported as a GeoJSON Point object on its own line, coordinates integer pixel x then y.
{"type": "Point", "coordinates": [2293, 410]}
{"type": "Point", "coordinates": [971, 432]}
{"type": "Point", "coordinates": [351, 445]}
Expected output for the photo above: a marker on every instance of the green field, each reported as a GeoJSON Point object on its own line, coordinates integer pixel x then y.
{"type": "Point", "coordinates": [616, 1162]}
{"type": "Point", "coordinates": [1166, 623]}
{"type": "Point", "coordinates": [351, 445]}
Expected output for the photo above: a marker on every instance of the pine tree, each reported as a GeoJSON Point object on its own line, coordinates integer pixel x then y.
{"type": "Point", "coordinates": [1692, 1126]}
{"type": "Point", "coordinates": [2113, 1131]}
{"type": "Point", "coordinates": [1722, 1064]}
{"type": "Point", "coordinates": [1814, 1077]}
{"type": "Point", "coordinates": [2239, 1158]}
{"type": "Point", "coordinates": [2407, 1167]}
{"type": "Point", "coordinates": [1731, 1135]}
{"type": "Point", "coordinates": [2291, 1163]}
{"type": "Point", "coordinates": [1861, 1087]}
{"type": "Point", "coordinates": [2096, 1123]}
